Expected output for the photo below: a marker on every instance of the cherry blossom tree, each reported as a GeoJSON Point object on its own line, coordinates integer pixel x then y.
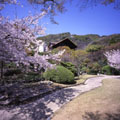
{"type": "Point", "coordinates": [59, 5]}
{"type": "Point", "coordinates": [4, 2]}
{"type": "Point", "coordinates": [19, 34]}
{"type": "Point", "coordinates": [113, 57]}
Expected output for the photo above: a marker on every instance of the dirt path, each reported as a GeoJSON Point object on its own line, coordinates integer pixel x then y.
{"type": "Point", "coordinates": [44, 108]}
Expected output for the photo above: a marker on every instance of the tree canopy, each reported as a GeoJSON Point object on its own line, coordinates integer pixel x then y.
{"type": "Point", "coordinates": [53, 7]}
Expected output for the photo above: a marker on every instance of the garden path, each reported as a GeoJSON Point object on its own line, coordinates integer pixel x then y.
{"type": "Point", "coordinates": [44, 108]}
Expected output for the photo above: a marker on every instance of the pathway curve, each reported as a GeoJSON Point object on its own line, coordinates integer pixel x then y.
{"type": "Point", "coordinates": [44, 108]}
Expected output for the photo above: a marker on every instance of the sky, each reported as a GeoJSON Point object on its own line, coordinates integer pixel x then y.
{"type": "Point", "coordinates": [101, 20]}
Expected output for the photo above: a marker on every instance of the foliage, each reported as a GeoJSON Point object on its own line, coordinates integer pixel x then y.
{"type": "Point", "coordinates": [55, 6]}
{"type": "Point", "coordinates": [107, 40]}
{"type": "Point", "coordinates": [81, 40]}
{"type": "Point", "coordinates": [54, 37]}
{"type": "Point", "coordinates": [93, 48]}
{"type": "Point", "coordinates": [16, 36]}
{"type": "Point", "coordinates": [50, 75]}
{"type": "Point", "coordinates": [12, 72]}
{"type": "Point", "coordinates": [94, 68]}
{"type": "Point", "coordinates": [68, 54]}
{"type": "Point", "coordinates": [84, 69]}
{"type": "Point", "coordinates": [110, 70]}
{"type": "Point", "coordinates": [59, 75]}
{"type": "Point", "coordinates": [114, 39]}
{"type": "Point", "coordinates": [18, 42]}
{"type": "Point", "coordinates": [78, 59]}
{"type": "Point", "coordinates": [114, 46]}
{"type": "Point", "coordinates": [33, 77]}
{"type": "Point", "coordinates": [106, 70]}
{"type": "Point", "coordinates": [70, 67]}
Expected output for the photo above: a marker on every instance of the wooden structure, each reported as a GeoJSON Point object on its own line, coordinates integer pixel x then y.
{"type": "Point", "coordinates": [65, 42]}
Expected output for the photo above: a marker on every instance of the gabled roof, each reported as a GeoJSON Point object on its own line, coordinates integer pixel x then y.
{"type": "Point", "coordinates": [65, 42]}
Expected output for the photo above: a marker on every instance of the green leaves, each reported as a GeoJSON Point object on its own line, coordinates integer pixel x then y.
{"type": "Point", "coordinates": [93, 48]}
{"type": "Point", "coordinates": [59, 75]}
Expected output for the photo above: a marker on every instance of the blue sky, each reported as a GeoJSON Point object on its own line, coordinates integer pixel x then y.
{"type": "Point", "coordinates": [102, 20]}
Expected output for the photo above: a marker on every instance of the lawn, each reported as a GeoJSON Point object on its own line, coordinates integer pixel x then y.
{"type": "Point", "coordinates": [102, 103]}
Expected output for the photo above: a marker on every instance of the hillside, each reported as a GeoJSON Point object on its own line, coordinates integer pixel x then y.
{"type": "Point", "coordinates": [83, 40]}
{"type": "Point", "coordinates": [107, 40]}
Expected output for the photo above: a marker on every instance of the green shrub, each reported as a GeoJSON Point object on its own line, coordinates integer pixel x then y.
{"type": "Point", "coordinates": [59, 75]}
{"type": "Point", "coordinates": [12, 72]}
{"type": "Point", "coordinates": [93, 68]}
{"type": "Point", "coordinates": [84, 69]}
{"type": "Point", "coordinates": [50, 74]}
{"type": "Point", "coordinates": [33, 77]}
{"type": "Point", "coordinates": [110, 71]}
{"type": "Point", "coordinates": [70, 67]}
{"type": "Point", "coordinates": [107, 70]}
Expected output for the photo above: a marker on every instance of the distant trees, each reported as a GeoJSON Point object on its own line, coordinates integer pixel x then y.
{"type": "Point", "coordinates": [93, 48]}
{"type": "Point", "coordinates": [78, 58]}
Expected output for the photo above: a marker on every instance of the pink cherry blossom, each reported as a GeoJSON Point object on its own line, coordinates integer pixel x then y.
{"type": "Point", "coordinates": [113, 58]}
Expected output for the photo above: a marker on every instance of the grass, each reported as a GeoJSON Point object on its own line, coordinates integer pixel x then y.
{"type": "Point", "coordinates": [102, 103]}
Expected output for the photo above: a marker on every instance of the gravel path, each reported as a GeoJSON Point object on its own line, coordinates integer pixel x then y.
{"type": "Point", "coordinates": [44, 108]}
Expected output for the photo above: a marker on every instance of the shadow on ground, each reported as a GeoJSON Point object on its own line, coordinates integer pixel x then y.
{"type": "Point", "coordinates": [98, 116]}
{"type": "Point", "coordinates": [39, 110]}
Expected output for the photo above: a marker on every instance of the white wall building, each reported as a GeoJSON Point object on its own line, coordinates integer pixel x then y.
{"type": "Point", "coordinates": [43, 46]}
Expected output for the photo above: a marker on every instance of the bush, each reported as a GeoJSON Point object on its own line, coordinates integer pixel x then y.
{"type": "Point", "coordinates": [106, 70]}
{"type": "Point", "coordinates": [33, 77]}
{"type": "Point", "coordinates": [93, 68]}
{"type": "Point", "coordinates": [70, 67]}
{"type": "Point", "coordinates": [59, 75]}
{"type": "Point", "coordinates": [12, 72]}
{"type": "Point", "coordinates": [110, 71]}
{"type": "Point", "coordinates": [84, 69]}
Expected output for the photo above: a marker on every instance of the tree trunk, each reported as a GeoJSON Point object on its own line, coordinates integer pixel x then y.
{"type": "Point", "coordinates": [2, 65]}
{"type": "Point", "coordinates": [78, 72]}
